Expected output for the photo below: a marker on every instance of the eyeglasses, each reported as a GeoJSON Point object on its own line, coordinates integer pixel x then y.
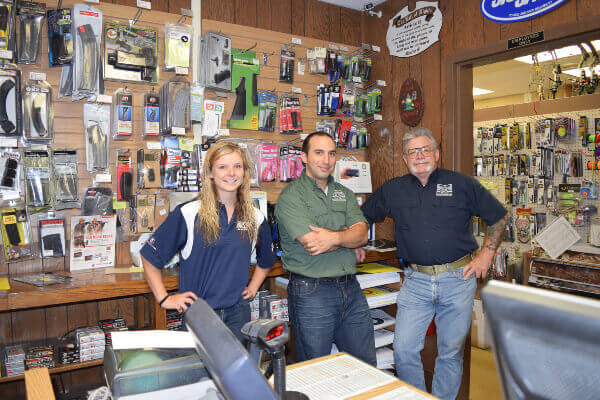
{"type": "Point", "coordinates": [425, 151]}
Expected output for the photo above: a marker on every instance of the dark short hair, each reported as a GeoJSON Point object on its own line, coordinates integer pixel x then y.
{"type": "Point", "coordinates": [306, 144]}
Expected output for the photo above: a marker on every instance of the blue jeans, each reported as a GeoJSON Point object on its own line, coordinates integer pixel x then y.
{"type": "Point", "coordinates": [235, 317]}
{"type": "Point", "coordinates": [450, 299]}
{"type": "Point", "coordinates": [323, 312]}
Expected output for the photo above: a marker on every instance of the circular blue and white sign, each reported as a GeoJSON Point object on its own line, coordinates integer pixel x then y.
{"type": "Point", "coordinates": [516, 10]}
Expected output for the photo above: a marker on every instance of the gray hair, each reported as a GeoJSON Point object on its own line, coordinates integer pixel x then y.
{"type": "Point", "coordinates": [415, 133]}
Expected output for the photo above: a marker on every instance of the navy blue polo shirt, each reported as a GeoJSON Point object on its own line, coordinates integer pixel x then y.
{"type": "Point", "coordinates": [433, 221]}
{"type": "Point", "coordinates": [217, 273]}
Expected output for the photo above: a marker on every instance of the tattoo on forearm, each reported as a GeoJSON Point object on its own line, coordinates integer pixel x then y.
{"type": "Point", "coordinates": [495, 234]}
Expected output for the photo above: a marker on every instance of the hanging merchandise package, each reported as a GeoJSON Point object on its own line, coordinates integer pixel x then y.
{"type": "Point", "coordinates": [31, 17]}
{"type": "Point", "coordinates": [66, 181]}
{"type": "Point", "coordinates": [10, 102]}
{"type": "Point", "coordinates": [37, 113]}
{"type": "Point", "coordinates": [60, 37]}
{"type": "Point", "coordinates": [215, 61]}
{"type": "Point", "coordinates": [151, 114]}
{"type": "Point", "coordinates": [96, 119]}
{"type": "Point", "coordinates": [97, 200]}
{"type": "Point", "coordinates": [171, 165]}
{"type": "Point", "coordinates": [267, 111]}
{"type": "Point", "coordinates": [36, 166]}
{"type": "Point", "coordinates": [10, 174]}
{"type": "Point", "coordinates": [122, 114]}
{"type": "Point", "coordinates": [124, 175]}
{"type": "Point", "coordinates": [244, 71]}
{"type": "Point", "coordinates": [175, 103]}
{"type": "Point", "coordinates": [52, 236]}
{"type": "Point", "coordinates": [8, 35]}
{"type": "Point", "coordinates": [87, 22]}
{"type": "Point", "coordinates": [213, 112]}
{"type": "Point", "coordinates": [130, 53]}
{"type": "Point", "coordinates": [142, 213]}
{"type": "Point", "coordinates": [286, 66]}
{"type": "Point", "coordinates": [16, 233]}
{"type": "Point", "coordinates": [148, 169]}
{"type": "Point", "coordinates": [178, 46]}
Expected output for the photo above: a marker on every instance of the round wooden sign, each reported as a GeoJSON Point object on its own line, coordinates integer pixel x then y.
{"type": "Point", "coordinates": [411, 102]}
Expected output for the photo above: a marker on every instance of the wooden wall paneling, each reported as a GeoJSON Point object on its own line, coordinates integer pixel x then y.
{"type": "Point", "coordinates": [129, 3]}
{"type": "Point", "coordinates": [79, 315]}
{"type": "Point", "coordinates": [351, 23]}
{"type": "Point", "coordinates": [281, 16]}
{"type": "Point", "coordinates": [175, 6]}
{"type": "Point", "coordinates": [28, 325]}
{"type": "Point", "coordinates": [263, 13]}
{"type": "Point", "coordinates": [6, 336]}
{"type": "Point", "coordinates": [587, 8]}
{"type": "Point", "coordinates": [513, 29]}
{"type": "Point", "coordinates": [56, 321]}
{"type": "Point", "coordinates": [446, 47]}
{"type": "Point", "coordinates": [335, 24]}
{"type": "Point", "coordinates": [298, 17]}
{"type": "Point", "coordinates": [564, 13]}
{"type": "Point", "coordinates": [220, 10]}
{"type": "Point", "coordinates": [317, 20]}
{"type": "Point", "coordinates": [467, 24]}
{"type": "Point", "coordinates": [414, 67]}
{"type": "Point", "coordinates": [161, 5]}
{"type": "Point", "coordinates": [431, 83]}
{"type": "Point", "coordinates": [245, 12]}
{"type": "Point", "coordinates": [491, 30]}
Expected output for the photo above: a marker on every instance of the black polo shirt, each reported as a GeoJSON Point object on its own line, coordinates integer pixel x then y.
{"type": "Point", "coordinates": [433, 221]}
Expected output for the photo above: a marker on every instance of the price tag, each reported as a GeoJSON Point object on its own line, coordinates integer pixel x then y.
{"type": "Point", "coordinates": [144, 4]}
{"type": "Point", "coordinates": [343, 48]}
{"type": "Point", "coordinates": [104, 98]}
{"type": "Point", "coordinates": [223, 132]}
{"type": "Point", "coordinates": [181, 70]}
{"type": "Point", "coordinates": [103, 178]}
{"type": "Point", "coordinates": [377, 117]}
{"type": "Point", "coordinates": [37, 76]}
{"type": "Point", "coordinates": [8, 54]}
{"type": "Point", "coordinates": [301, 68]}
{"type": "Point", "coordinates": [380, 83]}
{"type": "Point", "coordinates": [296, 40]}
{"type": "Point", "coordinates": [333, 46]}
{"type": "Point", "coordinates": [376, 48]}
{"type": "Point", "coordinates": [177, 130]}
{"type": "Point", "coordinates": [296, 90]}
{"type": "Point", "coordinates": [153, 145]}
{"type": "Point", "coordinates": [92, 1]}
{"type": "Point", "coordinates": [8, 142]}
{"type": "Point", "coordinates": [356, 79]}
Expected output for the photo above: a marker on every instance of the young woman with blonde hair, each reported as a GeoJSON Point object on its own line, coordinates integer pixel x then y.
{"type": "Point", "coordinates": [215, 236]}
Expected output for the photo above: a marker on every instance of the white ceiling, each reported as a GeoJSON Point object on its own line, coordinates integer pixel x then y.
{"type": "Point", "coordinates": [354, 4]}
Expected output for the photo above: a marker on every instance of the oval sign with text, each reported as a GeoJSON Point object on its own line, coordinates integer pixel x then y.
{"type": "Point", "coordinates": [411, 102]}
{"type": "Point", "coordinates": [516, 10]}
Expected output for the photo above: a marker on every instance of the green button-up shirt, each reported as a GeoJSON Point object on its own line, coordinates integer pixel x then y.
{"type": "Point", "coordinates": [303, 203]}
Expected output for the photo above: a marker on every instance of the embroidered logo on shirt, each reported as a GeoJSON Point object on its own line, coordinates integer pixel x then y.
{"type": "Point", "coordinates": [444, 190]}
{"type": "Point", "coordinates": [152, 243]}
{"type": "Point", "coordinates": [241, 226]}
{"type": "Point", "coordinates": [338, 195]}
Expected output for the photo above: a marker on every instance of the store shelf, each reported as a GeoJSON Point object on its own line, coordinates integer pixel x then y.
{"type": "Point", "coordinates": [58, 369]}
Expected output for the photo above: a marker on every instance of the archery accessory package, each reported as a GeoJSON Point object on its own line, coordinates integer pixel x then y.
{"type": "Point", "coordinates": [31, 18]}
{"type": "Point", "coordinates": [16, 233]}
{"type": "Point", "coordinates": [151, 114]}
{"type": "Point", "coordinates": [60, 36]}
{"type": "Point", "coordinates": [122, 114]}
{"type": "Point", "coordinates": [10, 102]}
{"type": "Point", "coordinates": [87, 21]}
{"type": "Point", "coordinates": [215, 61]}
{"type": "Point", "coordinates": [178, 46]}
{"type": "Point", "coordinates": [66, 181]}
{"type": "Point", "coordinates": [10, 174]}
{"type": "Point", "coordinates": [96, 119]}
{"type": "Point", "coordinates": [36, 166]}
{"type": "Point", "coordinates": [175, 103]}
{"type": "Point", "coordinates": [130, 53]}
{"type": "Point", "coordinates": [148, 169]}
{"type": "Point", "coordinates": [124, 175]}
{"type": "Point", "coordinates": [52, 235]}
{"type": "Point", "coordinates": [38, 113]}
{"type": "Point", "coordinates": [244, 73]}
{"type": "Point", "coordinates": [267, 111]}
{"type": "Point", "coordinates": [8, 34]}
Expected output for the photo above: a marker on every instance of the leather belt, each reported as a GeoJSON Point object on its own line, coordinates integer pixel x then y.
{"type": "Point", "coordinates": [336, 279]}
{"type": "Point", "coordinates": [440, 268]}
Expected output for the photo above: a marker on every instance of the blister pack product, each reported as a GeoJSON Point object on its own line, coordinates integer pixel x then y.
{"type": "Point", "coordinates": [65, 86]}
{"type": "Point", "coordinates": [16, 233]}
{"type": "Point", "coordinates": [290, 163]}
{"type": "Point", "coordinates": [267, 158]}
{"type": "Point", "coordinates": [213, 112]}
{"type": "Point", "coordinates": [148, 169]}
{"type": "Point", "coordinates": [244, 74]}
{"type": "Point", "coordinates": [267, 111]}
{"type": "Point", "coordinates": [60, 36]}
{"type": "Point", "coordinates": [87, 22]}
{"type": "Point", "coordinates": [52, 235]}
{"type": "Point", "coordinates": [65, 180]}
{"type": "Point", "coordinates": [130, 53]}
{"type": "Point", "coordinates": [286, 66]}
{"type": "Point", "coordinates": [31, 17]}
{"type": "Point", "coordinates": [122, 114]}
{"type": "Point", "coordinates": [124, 175]}
{"type": "Point", "coordinates": [171, 164]}
{"type": "Point", "coordinates": [10, 174]}
{"type": "Point", "coordinates": [96, 121]}
{"type": "Point", "coordinates": [10, 102]}
{"type": "Point", "coordinates": [215, 61]}
{"type": "Point", "coordinates": [178, 46]}
{"type": "Point", "coordinates": [290, 119]}
{"type": "Point", "coordinates": [151, 114]}
{"type": "Point", "coordinates": [175, 104]}
{"type": "Point", "coordinates": [142, 213]}
{"type": "Point", "coordinates": [97, 200]}
{"type": "Point", "coordinates": [38, 114]}
{"type": "Point", "coordinates": [7, 30]}
{"type": "Point", "coordinates": [36, 168]}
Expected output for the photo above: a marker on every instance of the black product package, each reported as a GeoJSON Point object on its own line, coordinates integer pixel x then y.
{"type": "Point", "coordinates": [286, 66]}
{"type": "Point", "coordinates": [52, 237]}
{"type": "Point", "coordinates": [60, 37]}
{"type": "Point", "coordinates": [11, 116]}
{"type": "Point", "coordinates": [31, 17]}
{"type": "Point", "coordinates": [8, 35]}
{"type": "Point", "coordinates": [97, 201]}
{"type": "Point", "coordinates": [66, 181]}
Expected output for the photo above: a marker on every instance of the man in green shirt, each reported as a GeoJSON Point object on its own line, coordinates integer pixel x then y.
{"type": "Point", "coordinates": [320, 225]}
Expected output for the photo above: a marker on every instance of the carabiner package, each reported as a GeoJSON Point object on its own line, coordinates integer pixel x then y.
{"type": "Point", "coordinates": [96, 120]}
{"type": "Point", "coordinates": [36, 165]}
{"type": "Point", "coordinates": [52, 235]}
{"type": "Point", "coordinates": [16, 232]}
{"type": "Point", "coordinates": [10, 102]}
{"type": "Point", "coordinates": [60, 37]}
{"type": "Point", "coordinates": [10, 174]}
{"type": "Point", "coordinates": [122, 114]}
{"type": "Point", "coordinates": [178, 46]}
{"type": "Point", "coordinates": [66, 181]}
{"type": "Point", "coordinates": [175, 103]}
{"type": "Point", "coordinates": [31, 18]}
{"type": "Point", "coordinates": [8, 35]}
{"type": "Point", "coordinates": [87, 21]}
{"type": "Point", "coordinates": [151, 114]}
{"type": "Point", "coordinates": [37, 113]}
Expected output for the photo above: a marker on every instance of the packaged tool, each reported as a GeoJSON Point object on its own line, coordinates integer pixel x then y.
{"type": "Point", "coordinates": [10, 174]}
{"type": "Point", "coordinates": [38, 114]}
{"type": "Point", "coordinates": [151, 114]}
{"type": "Point", "coordinates": [66, 181]}
{"type": "Point", "coordinates": [96, 120]}
{"type": "Point", "coordinates": [52, 235]}
{"type": "Point", "coordinates": [16, 233]}
{"type": "Point", "coordinates": [87, 22]}
{"type": "Point", "coordinates": [178, 46]}
{"type": "Point", "coordinates": [8, 36]}
{"type": "Point", "coordinates": [31, 17]}
{"type": "Point", "coordinates": [10, 102]}
{"type": "Point", "coordinates": [124, 175]}
{"type": "Point", "coordinates": [36, 166]}
{"type": "Point", "coordinates": [267, 111]}
{"type": "Point", "coordinates": [215, 61]}
{"type": "Point", "coordinates": [286, 66]}
{"type": "Point", "coordinates": [175, 104]}
{"type": "Point", "coordinates": [130, 53]}
{"type": "Point", "coordinates": [60, 37]}
{"type": "Point", "coordinates": [142, 213]}
{"type": "Point", "coordinates": [122, 114]}
{"type": "Point", "coordinates": [148, 169]}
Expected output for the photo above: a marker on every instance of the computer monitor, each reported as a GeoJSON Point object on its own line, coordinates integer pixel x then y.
{"type": "Point", "coordinates": [546, 344]}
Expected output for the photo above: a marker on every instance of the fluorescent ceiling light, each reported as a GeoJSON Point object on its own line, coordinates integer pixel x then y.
{"type": "Point", "coordinates": [577, 72]}
{"type": "Point", "coordinates": [560, 53]}
{"type": "Point", "coordinates": [478, 91]}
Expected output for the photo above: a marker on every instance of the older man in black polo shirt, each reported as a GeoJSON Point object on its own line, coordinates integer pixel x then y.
{"type": "Point", "coordinates": [432, 210]}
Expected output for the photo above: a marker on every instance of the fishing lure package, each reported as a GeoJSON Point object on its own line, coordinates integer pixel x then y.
{"type": "Point", "coordinates": [38, 114]}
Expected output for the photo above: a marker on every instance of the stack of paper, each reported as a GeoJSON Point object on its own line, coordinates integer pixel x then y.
{"type": "Point", "coordinates": [381, 319]}
{"type": "Point", "coordinates": [383, 337]}
{"type": "Point", "coordinates": [385, 358]}
{"type": "Point", "coordinates": [380, 296]}
{"type": "Point", "coordinates": [382, 278]}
